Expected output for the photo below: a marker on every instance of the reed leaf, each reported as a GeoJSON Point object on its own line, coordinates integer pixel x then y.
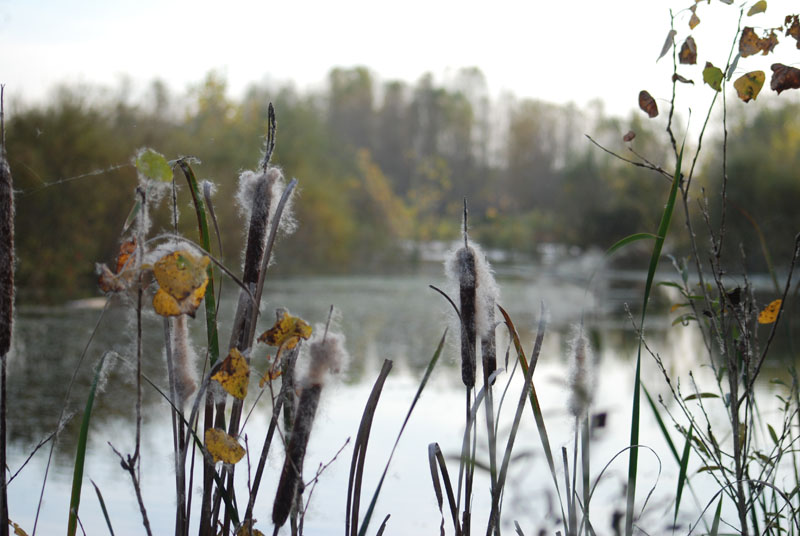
{"type": "Point", "coordinates": [436, 459]}
{"type": "Point", "coordinates": [663, 228]}
{"type": "Point", "coordinates": [103, 507]}
{"type": "Point", "coordinates": [205, 239]}
{"type": "Point", "coordinates": [360, 452]}
{"type": "Point", "coordinates": [423, 382]}
{"type": "Point", "coordinates": [684, 462]}
{"type": "Point", "coordinates": [80, 455]}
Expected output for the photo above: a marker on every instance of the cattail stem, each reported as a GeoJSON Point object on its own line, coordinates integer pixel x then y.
{"type": "Point", "coordinates": [292, 474]}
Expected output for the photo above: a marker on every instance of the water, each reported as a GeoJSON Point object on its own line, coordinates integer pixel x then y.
{"type": "Point", "coordinates": [397, 318]}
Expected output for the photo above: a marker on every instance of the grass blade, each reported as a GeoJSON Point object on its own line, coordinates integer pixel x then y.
{"type": "Point", "coordinates": [661, 425]}
{"type": "Point", "coordinates": [628, 240]}
{"type": "Point", "coordinates": [715, 524]}
{"type": "Point", "coordinates": [435, 457]}
{"type": "Point", "coordinates": [532, 397]}
{"type": "Point", "coordinates": [633, 460]}
{"type": "Point", "coordinates": [205, 239]}
{"type": "Point", "coordinates": [425, 377]}
{"type": "Point", "coordinates": [80, 455]}
{"type": "Point", "coordinates": [103, 507]}
{"type": "Point", "coordinates": [360, 452]}
{"type": "Point", "coordinates": [687, 448]}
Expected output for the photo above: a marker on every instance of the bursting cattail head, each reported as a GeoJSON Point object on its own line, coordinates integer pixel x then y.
{"type": "Point", "coordinates": [468, 268]}
{"type": "Point", "coordinates": [581, 373]}
{"type": "Point", "coordinates": [327, 353]}
{"type": "Point", "coordinates": [184, 359]}
{"type": "Point", "coordinates": [6, 254]}
{"type": "Point", "coordinates": [6, 241]}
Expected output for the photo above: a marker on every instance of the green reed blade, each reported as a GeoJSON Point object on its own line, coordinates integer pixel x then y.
{"type": "Point", "coordinates": [663, 228]}
{"type": "Point", "coordinates": [80, 455]}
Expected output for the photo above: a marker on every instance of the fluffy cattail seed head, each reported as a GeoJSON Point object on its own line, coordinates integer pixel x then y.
{"type": "Point", "coordinates": [6, 246]}
{"type": "Point", "coordinates": [581, 377]}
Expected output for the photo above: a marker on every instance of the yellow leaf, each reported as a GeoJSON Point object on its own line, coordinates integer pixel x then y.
{"type": "Point", "coordinates": [758, 7]}
{"type": "Point", "coordinates": [246, 529]}
{"type": "Point", "coordinates": [694, 21]}
{"type": "Point", "coordinates": [271, 374]}
{"type": "Point", "coordinates": [17, 529]}
{"type": "Point", "coordinates": [748, 85]}
{"type": "Point", "coordinates": [234, 374]}
{"type": "Point", "coordinates": [676, 307]}
{"type": "Point", "coordinates": [182, 281]}
{"type": "Point", "coordinates": [222, 446]}
{"type": "Point", "coordinates": [287, 331]}
{"type": "Point", "coordinates": [770, 313]}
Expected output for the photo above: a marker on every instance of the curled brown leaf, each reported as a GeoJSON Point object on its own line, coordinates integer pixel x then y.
{"type": "Point", "coordinates": [784, 77]}
{"type": "Point", "coordinates": [688, 53]}
{"type": "Point", "coordinates": [648, 104]}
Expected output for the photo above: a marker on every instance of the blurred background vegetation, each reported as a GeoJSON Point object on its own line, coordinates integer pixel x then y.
{"type": "Point", "coordinates": [383, 167]}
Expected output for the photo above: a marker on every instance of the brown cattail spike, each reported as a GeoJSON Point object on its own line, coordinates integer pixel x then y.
{"type": "Point", "coordinates": [488, 346]}
{"type": "Point", "coordinates": [6, 243]}
{"type": "Point", "coordinates": [465, 258]}
{"type": "Point", "coordinates": [292, 474]}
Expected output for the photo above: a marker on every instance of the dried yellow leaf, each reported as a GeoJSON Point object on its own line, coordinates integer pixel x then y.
{"type": "Point", "coordinates": [182, 279]}
{"type": "Point", "coordinates": [234, 374]}
{"type": "Point", "coordinates": [246, 529]}
{"type": "Point", "coordinates": [223, 447]}
{"type": "Point", "coordinates": [770, 312]}
{"type": "Point", "coordinates": [675, 307]}
{"type": "Point", "coordinates": [287, 331]}
{"type": "Point", "coordinates": [17, 529]}
{"type": "Point", "coordinates": [271, 374]}
{"type": "Point", "coordinates": [749, 85]}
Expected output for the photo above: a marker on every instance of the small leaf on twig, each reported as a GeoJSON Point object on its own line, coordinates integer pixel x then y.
{"type": "Point", "coordinates": [688, 53]}
{"type": "Point", "coordinates": [153, 166]}
{"type": "Point", "coordinates": [223, 447]}
{"type": "Point", "coordinates": [629, 136]}
{"type": "Point", "coordinates": [668, 42]}
{"type": "Point", "coordinates": [758, 7]}
{"type": "Point", "coordinates": [770, 312]}
{"type": "Point", "coordinates": [748, 85]}
{"type": "Point", "coordinates": [792, 24]}
{"type": "Point", "coordinates": [750, 43]}
{"type": "Point", "coordinates": [713, 76]}
{"type": "Point", "coordinates": [182, 281]}
{"type": "Point", "coordinates": [234, 374]}
{"type": "Point", "coordinates": [784, 77]}
{"type": "Point", "coordinates": [678, 78]}
{"type": "Point", "coordinates": [648, 104]}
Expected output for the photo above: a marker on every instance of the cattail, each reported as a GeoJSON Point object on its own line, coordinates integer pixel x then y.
{"type": "Point", "coordinates": [477, 297]}
{"type": "Point", "coordinates": [326, 354]}
{"type": "Point", "coordinates": [6, 245]}
{"type": "Point", "coordinates": [488, 347]}
{"type": "Point", "coordinates": [465, 261]}
{"type": "Point", "coordinates": [184, 358]}
{"type": "Point", "coordinates": [257, 197]}
{"type": "Point", "coordinates": [581, 378]}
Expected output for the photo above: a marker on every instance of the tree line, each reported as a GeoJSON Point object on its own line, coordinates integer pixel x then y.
{"type": "Point", "coordinates": [381, 164]}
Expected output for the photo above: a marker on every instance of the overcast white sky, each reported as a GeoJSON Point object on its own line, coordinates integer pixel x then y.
{"type": "Point", "coordinates": [557, 50]}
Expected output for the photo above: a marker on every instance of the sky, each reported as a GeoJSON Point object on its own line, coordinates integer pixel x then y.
{"type": "Point", "coordinates": [557, 51]}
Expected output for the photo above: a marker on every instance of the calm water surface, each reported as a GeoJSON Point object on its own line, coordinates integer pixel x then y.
{"type": "Point", "coordinates": [397, 318]}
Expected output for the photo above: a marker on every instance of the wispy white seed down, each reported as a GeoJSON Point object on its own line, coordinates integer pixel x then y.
{"type": "Point", "coordinates": [581, 373]}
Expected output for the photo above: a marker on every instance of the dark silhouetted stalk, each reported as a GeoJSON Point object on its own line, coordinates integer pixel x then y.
{"type": "Point", "coordinates": [6, 302]}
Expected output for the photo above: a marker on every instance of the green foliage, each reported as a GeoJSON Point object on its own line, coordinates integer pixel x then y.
{"type": "Point", "coordinates": [380, 163]}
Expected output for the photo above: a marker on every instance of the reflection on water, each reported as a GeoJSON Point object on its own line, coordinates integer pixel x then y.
{"type": "Point", "coordinates": [383, 318]}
